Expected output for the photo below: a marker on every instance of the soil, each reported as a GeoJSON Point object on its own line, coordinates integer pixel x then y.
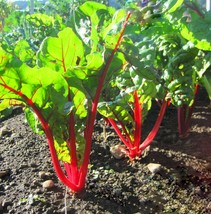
{"type": "Point", "coordinates": [181, 185]}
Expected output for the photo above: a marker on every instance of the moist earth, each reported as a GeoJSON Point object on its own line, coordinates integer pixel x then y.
{"type": "Point", "coordinates": [181, 183]}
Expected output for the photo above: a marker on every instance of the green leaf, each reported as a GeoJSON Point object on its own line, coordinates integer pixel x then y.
{"type": "Point", "coordinates": [4, 104]}
{"type": "Point", "coordinates": [117, 109]}
{"type": "Point", "coordinates": [33, 121]}
{"type": "Point", "coordinates": [172, 5]}
{"type": "Point", "coordinates": [80, 102]}
{"type": "Point", "coordinates": [61, 53]}
{"type": "Point", "coordinates": [5, 109]}
{"type": "Point", "coordinates": [24, 51]}
{"type": "Point", "coordinates": [100, 16]}
{"type": "Point", "coordinates": [110, 34]}
{"type": "Point", "coordinates": [62, 150]}
{"type": "Point", "coordinates": [94, 61]}
{"type": "Point", "coordinates": [198, 32]}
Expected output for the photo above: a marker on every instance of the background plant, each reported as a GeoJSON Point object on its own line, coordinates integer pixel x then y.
{"type": "Point", "coordinates": [5, 10]}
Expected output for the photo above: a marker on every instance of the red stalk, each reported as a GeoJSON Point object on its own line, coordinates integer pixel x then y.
{"type": "Point", "coordinates": [91, 118]}
{"type": "Point", "coordinates": [49, 136]}
{"type": "Point", "coordinates": [76, 178]}
{"type": "Point", "coordinates": [73, 152]}
{"type": "Point", "coordinates": [138, 121]}
{"type": "Point", "coordinates": [134, 147]}
{"type": "Point", "coordinates": [184, 114]}
{"type": "Point", "coordinates": [72, 168]}
{"type": "Point", "coordinates": [127, 141]}
{"type": "Point", "coordinates": [155, 128]}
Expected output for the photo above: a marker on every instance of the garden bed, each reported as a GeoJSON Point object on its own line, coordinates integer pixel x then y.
{"type": "Point", "coordinates": [181, 185]}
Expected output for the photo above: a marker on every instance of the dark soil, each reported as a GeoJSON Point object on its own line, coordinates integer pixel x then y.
{"type": "Point", "coordinates": [182, 185]}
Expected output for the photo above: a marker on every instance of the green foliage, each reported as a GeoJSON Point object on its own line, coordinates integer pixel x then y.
{"type": "Point", "coordinates": [64, 78]}
{"type": "Point", "coordinates": [196, 30]}
{"type": "Point", "coordinates": [30, 32]}
{"type": "Point", "coordinates": [5, 10]}
{"type": "Point", "coordinates": [5, 109]}
{"type": "Point", "coordinates": [172, 5]}
{"type": "Point", "coordinates": [58, 72]}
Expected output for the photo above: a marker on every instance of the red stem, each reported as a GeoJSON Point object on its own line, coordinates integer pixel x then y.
{"type": "Point", "coordinates": [49, 136]}
{"type": "Point", "coordinates": [128, 142]}
{"type": "Point", "coordinates": [138, 121]}
{"type": "Point", "coordinates": [91, 118]}
{"type": "Point", "coordinates": [181, 120]}
{"type": "Point", "coordinates": [184, 114]}
{"type": "Point", "coordinates": [155, 129]}
{"type": "Point", "coordinates": [73, 152]}
{"type": "Point", "coordinates": [72, 170]}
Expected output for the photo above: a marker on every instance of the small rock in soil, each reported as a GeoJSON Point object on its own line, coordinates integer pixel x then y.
{"type": "Point", "coordinates": [154, 167]}
{"type": "Point", "coordinates": [43, 175]}
{"type": "Point", "coordinates": [3, 173]}
{"type": "Point", "coordinates": [208, 166]}
{"type": "Point", "coordinates": [23, 166]}
{"type": "Point", "coordinates": [38, 191]}
{"type": "Point", "coordinates": [5, 131]}
{"type": "Point", "coordinates": [49, 211]}
{"type": "Point", "coordinates": [118, 151]}
{"type": "Point", "coordinates": [2, 193]}
{"type": "Point", "coordinates": [48, 184]}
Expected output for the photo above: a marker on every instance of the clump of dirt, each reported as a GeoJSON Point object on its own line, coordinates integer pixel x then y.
{"type": "Point", "coordinates": [180, 185]}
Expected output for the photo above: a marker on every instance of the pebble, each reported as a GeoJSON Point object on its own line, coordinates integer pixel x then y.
{"type": "Point", "coordinates": [118, 192]}
{"type": "Point", "coordinates": [33, 164]}
{"type": "Point", "coordinates": [38, 191]}
{"type": "Point", "coordinates": [43, 175]}
{"type": "Point", "coordinates": [118, 151]}
{"type": "Point", "coordinates": [23, 166]}
{"type": "Point", "coordinates": [48, 184]}
{"type": "Point", "coordinates": [154, 167]}
{"type": "Point", "coordinates": [3, 173]}
{"type": "Point", "coordinates": [5, 131]}
{"type": "Point", "coordinates": [6, 187]}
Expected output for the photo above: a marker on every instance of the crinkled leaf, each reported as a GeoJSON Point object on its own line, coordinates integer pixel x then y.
{"type": "Point", "coordinates": [117, 109]}
{"type": "Point", "coordinates": [198, 31]}
{"type": "Point", "coordinates": [100, 16]}
{"type": "Point", "coordinates": [80, 103]}
{"type": "Point", "coordinates": [24, 51]}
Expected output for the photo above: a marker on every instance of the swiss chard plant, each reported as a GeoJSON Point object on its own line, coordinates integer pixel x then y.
{"type": "Point", "coordinates": [193, 64]}
{"type": "Point", "coordinates": [197, 30]}
{"type": "Point", "coordinates": [175, 61]}
{"type": "Point", "coordinates": [128, 97]}
{"type": "Point", "coordinates": [129, 109]}
{"type": "Point", "coordinates": [32, 28]}
{"type": "Point", "coordinates": [61, 93]}
{"type": "Point", "coordinates": [159, 66]}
